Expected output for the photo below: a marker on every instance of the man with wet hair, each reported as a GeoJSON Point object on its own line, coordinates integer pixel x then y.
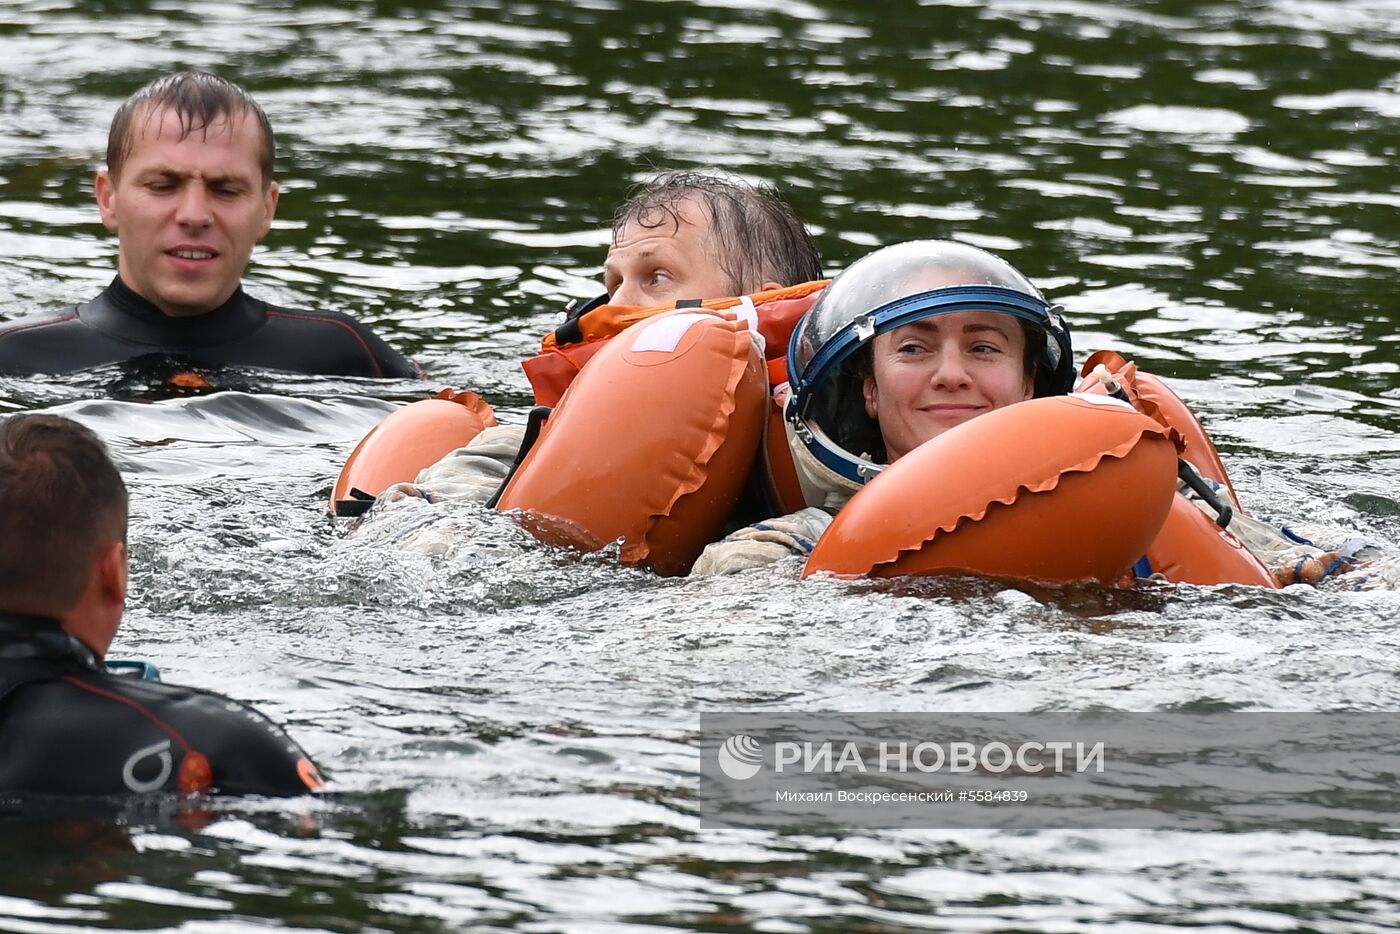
{"type": "Point", "coordinates": [689, 235]}
{"type": "Point", "coordinates": [188, 190]}
{"type": "Point", "coordinates": [678, 236]}
{"type": "Point", "coordinates": [69, 725]}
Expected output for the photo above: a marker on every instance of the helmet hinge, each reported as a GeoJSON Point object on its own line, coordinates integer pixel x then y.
{"type": "Point", "coordinates": [865, 328]}
{"type": "Point", "coordinates": [867, 471]}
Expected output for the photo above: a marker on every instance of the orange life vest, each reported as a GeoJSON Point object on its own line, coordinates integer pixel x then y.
{"type": "Point", "coordinates": [564, 351]}
{"type": "Point", "coordinates": [651, 444]}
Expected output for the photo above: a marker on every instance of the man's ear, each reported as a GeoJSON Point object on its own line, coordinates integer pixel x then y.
{"type": "Point", "coordinates": [270, 197]}
{"type": "Point", "coordinates": [1030, 381]}
{"type": "Point", "coordinates": [770, 286]}
{"type": "Point", "coordinates": [112, 573]}
{"type": "Point", "coordinates": [872, 397]}
{"type": "Point", "coordinates": [95, 619]}
{"type": "Point", "coordinates": [105, 188]}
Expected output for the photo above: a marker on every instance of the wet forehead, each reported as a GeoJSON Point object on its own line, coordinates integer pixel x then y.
{"type": "Point", "coordinates": [684, 229]}
{"type": "Point", "coordinates": [232, 142]}
{"type": "Point", "coordinates": [157, 121]}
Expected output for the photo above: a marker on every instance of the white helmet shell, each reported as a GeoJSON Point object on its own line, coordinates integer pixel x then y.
{"type": "Point", "coordinates": [885, 290]}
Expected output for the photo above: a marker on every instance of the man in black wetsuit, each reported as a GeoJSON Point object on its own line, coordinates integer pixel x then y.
{"type": "Point", "coordinates": [188, 191]}
{"type": "Point", "coordinates": [67, 725]}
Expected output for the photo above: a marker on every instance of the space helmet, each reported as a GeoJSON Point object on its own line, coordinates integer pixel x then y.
{"type": "Point", "coordinates": [891, 287]}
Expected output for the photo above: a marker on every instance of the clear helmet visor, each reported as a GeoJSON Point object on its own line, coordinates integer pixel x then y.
{"type": "Point", "coordinates": [887, 289]}
{"type": "Point", "coordinates": [894, 272]}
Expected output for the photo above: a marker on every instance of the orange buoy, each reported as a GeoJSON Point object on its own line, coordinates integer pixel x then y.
{"type": "Point", "coordinates": [409, 439]}
{"type": "Point", "coordinates": [1191, 549]}
{"type": "Point", "coordinates": [1058, 489]}
{"type": "Point", "coordinates": [1156, 400]}
{"type": "Point", "coordinates": [651, 443]}
{"type": "Point", "coordinates": [565, 350]}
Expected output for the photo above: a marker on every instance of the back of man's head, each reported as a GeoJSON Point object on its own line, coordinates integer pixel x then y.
{"type": "Point", "coordinates": [199, 100]}
{"type": "Point", "coordinates": [62, 501]}
{"type": "Point", "coordinates": [755, 236]}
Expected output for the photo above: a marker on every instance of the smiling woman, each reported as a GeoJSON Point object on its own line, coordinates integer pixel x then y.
{"type": "Point", "coordinates": [188, 191]}
{"type": "Point", "coordinates": [930, 375]}
{"type": "Point", "coordinates": [910, 341]}
{"type": "Point", "coordinates": [918, 339]}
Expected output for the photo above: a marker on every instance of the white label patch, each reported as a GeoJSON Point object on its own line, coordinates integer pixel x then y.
{"type": "Point", "coordinates": [1097, 399]}
{"type": "Point", "coordinates": [747, 312]}
{"type": "Point", "coordinates": [664, 334]}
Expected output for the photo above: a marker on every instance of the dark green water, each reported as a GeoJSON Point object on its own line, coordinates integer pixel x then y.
{"type": "Point", "coordinates": [1207, 187]}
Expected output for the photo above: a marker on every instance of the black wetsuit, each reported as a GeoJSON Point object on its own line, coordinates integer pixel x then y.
{"type": "Point", "coordinates": [70, 727]}
{"type": "Point", "coordinates": [120, 325]}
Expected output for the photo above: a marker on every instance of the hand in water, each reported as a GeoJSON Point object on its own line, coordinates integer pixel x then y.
{"type": "Point", "coordinates": [400, 491]}
{"type": "Point", "coordinates": [1311, 570]}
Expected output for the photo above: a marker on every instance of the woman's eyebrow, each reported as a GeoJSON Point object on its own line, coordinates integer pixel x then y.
{"type": "Point", "coordinates": [996, 328]}
{"type": "Point", "coordinates": [930, 324]}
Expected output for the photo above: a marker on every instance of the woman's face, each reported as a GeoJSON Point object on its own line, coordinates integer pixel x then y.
{"type": "Point", "coordinates": [942, 371]}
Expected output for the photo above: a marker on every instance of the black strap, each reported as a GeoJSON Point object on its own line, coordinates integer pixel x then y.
{"type": "Point", "coordinates": [538, 416]}
{"type": "Point", "coordinates": [358, 504]}
{"type": "Point", "coordinates": [1224, 512]}
{"type": "Point", "coordinates": [690, 303]}
{"type": "Point", "coordinates": [571, 331]}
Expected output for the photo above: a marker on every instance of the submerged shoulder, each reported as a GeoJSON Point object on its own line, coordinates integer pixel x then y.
{"type": "Point", "coordinates": [361, 351]}
{"type": "Point", "coordinates": [36, 324]}
{"type": "Point", "coordinates": [131, 735]}
{"type": "Point", "coordinates": [52, 342]}
{"type": "Point", "coordinates": [315, 318]}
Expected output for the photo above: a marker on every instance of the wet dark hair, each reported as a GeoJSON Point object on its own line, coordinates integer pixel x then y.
{"type": "Point", "coordinates": [198, 98]}
{"type": "Point", "coordinates": [755, 236]}
{"type": "Point", "coordinates": [61, 500]}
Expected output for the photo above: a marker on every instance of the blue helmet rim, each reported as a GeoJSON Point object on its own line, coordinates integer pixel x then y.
{"type": "Point", "coordinates": [901, 311]}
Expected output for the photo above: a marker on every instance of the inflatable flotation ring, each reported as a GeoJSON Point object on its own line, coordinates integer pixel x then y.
{"type": "Point", "coordinates": [1089, 502]}
{"type": "Point", "coordinates": [1152, 397]}
{"type": "Point", "coordinates": [1190, 549]}
{"type": "Point", "coordinates": [651, 444]}
{"type": "Point", "coordinates": [1057, 489]}
{"type": "Point", "coordinates": [565, 350]}
{"type": "Point", "coordinates": [409, 439]}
